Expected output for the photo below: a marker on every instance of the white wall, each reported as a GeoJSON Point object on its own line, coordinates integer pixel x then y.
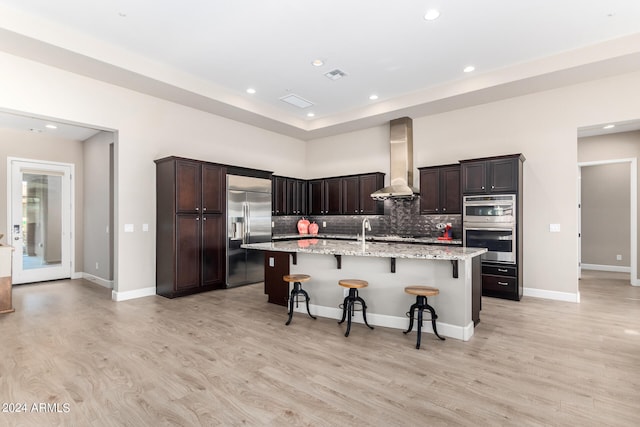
{"type": "Point", "coordinates": [148, 128]}
{"type": "Point", "coordinates": [543, 126]}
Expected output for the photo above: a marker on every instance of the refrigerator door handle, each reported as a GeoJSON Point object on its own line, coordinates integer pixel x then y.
{"type": "Point", "coordinates": [248, 222]}
{"type": "Point", "coordinates": [244, 222]}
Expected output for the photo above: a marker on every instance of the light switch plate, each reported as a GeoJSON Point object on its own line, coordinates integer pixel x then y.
{"type": "Point", "coordinates": [128, 228]}
{"type": "Point", "coordinates": [145, 227]}
{"type": "Point", "coordinates": [554, 228]}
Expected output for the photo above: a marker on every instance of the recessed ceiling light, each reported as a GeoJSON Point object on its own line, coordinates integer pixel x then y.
{"type": "Point", "coordinates": [311, 115]}
{"type": "Point", "coordinates": [431, 15]}
{"type": "Point", "coordinates": [608, 127]}
{"type": "Point", "coordinates": [251, 90]}
{"type": "Point", "coordinates": [50, 126]}
{"type": "Point", "coordinates": [317, 62]}
{"type": "Point", "coordinates": [469, 68]}
{"type": "Point", "coordinates": [373, 97]}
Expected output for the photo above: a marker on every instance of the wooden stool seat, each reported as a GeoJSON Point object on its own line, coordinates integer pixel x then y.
{"type": "Point", "coordinates": [296, 278]}
{"type": "Point", "coordinates": [425, 291]}
{"type": "Point", "coordinates": [353, 283]}
{"type": "Point", "coordinates": [421, 293]}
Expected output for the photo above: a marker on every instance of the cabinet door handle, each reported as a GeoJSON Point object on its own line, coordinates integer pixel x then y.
{"type": "Point", "coordinates": [204, 209]}
{"type": "Point", "coordinates": [503, 270]}
{"type": "Point", "coordinates": [493, 186]}
{"type": "Point", "coordinates": [503, 284]}
{"type": "Point", "coordinates": [204, 219]}
{"type": "Point", "coordinates": [198, 219]}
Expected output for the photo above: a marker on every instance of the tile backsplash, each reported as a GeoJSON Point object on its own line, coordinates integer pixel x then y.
{"type": "Point", "coordinates": [402, 218]}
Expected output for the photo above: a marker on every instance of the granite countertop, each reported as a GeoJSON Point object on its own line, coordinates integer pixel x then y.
{"type": "Point", "coordinates": [371, 238]}
{"type": "Point", "coordinates": [372, 249]}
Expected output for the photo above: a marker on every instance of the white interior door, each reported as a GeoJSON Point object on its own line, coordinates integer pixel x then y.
{"type": "Point", "coordinates": [40, 227]}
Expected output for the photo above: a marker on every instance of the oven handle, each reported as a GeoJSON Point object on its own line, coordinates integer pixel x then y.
{"type": "Point", "coordinates": [512, 228]}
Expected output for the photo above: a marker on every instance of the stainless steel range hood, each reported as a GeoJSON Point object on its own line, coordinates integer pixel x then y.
{"type": "Point", "coordinates": [401, 153]}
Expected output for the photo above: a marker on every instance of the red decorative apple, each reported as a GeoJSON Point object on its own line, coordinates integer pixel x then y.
{"type": "Point", "coordinates": [303, 226]}
{"type": "Point", "coordinates": [313, 229]}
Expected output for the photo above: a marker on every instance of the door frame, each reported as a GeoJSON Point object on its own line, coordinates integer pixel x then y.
{"type": "Point", "coordinates": [633, 199]}
{"type": "Point", "coordinates": [72, 201]}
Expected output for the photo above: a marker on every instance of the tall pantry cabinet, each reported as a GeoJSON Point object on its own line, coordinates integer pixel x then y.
{"type": "Point", "coordinates": [190, 220]}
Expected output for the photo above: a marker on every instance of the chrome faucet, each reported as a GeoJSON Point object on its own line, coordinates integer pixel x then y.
{"type": "Point", "coordinates": [366, 225]}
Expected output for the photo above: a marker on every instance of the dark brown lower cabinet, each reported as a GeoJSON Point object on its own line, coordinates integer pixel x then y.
{"type": "Point", "coordinates": [502, 281]}
{"type": "Point", "coordinates": [276, 265]}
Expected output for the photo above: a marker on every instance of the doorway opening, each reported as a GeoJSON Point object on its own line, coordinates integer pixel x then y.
{"type": "Point", "coordinates": [633, 216]}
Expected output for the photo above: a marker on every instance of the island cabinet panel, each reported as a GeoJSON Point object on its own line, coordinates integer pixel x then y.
{"type": "Point", "coordinates": [276, 266]}
{"type": "Point", "coordinates": [491, 175]}
{"type": "Point", "coordinates": [440, 190]}
{"type": "Point", "coordinates": [190, 246]}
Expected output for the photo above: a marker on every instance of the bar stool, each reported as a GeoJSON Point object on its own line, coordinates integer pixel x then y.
{"type": "Point", "coordinates": [421, 293]}
{"type": "Point", "coordinates": [297, 280]}
{"type": "Point", "coordinates": [348, 306]}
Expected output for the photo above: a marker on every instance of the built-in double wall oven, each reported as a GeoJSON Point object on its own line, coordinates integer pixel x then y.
{"type": "Point", "coordinates": [490, 222]}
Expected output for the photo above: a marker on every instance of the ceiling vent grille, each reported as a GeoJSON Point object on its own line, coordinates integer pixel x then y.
{"type": "Point", "coordinates": [335, 74]}
{"type": "Point", "coordinates": [296, 100]}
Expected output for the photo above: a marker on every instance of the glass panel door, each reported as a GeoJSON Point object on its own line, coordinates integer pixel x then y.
{"type": "Point", "coordinates": [40, 221]}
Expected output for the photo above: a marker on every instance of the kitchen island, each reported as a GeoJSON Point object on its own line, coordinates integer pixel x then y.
{"type": "Point", "coordinates": [388, 267]}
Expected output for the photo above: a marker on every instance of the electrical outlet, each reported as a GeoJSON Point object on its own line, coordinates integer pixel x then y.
{"type": "Point", "coordinates": [619, 257]}
{"type": "Point", "coordinates": [97, 266]}
{"type": "Point", "coordinates": [324, 224]}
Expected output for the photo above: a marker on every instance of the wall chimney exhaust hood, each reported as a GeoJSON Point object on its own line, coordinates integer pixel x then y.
{"type": "Point", "coordinates": [401, 153]}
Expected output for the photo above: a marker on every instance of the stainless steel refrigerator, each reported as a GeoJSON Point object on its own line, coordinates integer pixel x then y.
{"type": "Point", "coordinates": [248, 221]}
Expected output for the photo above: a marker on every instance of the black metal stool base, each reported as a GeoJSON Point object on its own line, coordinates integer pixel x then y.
{"type": "Point", "coordinates": [348, 306]}
{"type": "Point", "coordinates": [421, 305]}
{"type": "Point", "coordinates": [297, 290]}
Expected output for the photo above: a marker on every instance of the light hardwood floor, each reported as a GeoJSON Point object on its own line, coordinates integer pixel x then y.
{"type": "Point", "coordinates": [226, 358]}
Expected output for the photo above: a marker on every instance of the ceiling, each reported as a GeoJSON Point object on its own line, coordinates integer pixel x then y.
{"type": "Point", "coordinates": [206, 54]}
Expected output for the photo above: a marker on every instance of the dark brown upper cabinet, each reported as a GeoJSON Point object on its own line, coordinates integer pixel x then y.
{"type": "Point", "coordinates": [289, 196]}
{"type": "Point", "coordinates": [440, 190]}
{"type": "Point", "coordinates": [356, 194]}
{"type": "Point", "coordinates": [492, 174]}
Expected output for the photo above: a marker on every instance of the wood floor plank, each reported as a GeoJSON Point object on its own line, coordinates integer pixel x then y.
{"type": "Point", "coordinates": [226, 358]}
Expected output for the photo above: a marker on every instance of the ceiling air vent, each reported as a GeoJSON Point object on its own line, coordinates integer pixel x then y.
{"type": "Point", "coordinates": [335, 74]}
{"type": "Point", "coordinates": [296, 101]}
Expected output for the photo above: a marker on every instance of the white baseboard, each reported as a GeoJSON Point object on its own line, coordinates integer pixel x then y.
{"type": "Point", "coordinates": [137, 293]}
{"type": "Point", "coordinates": [394, 322]}
{"type": "Point", "coordinates": [615, 268]}
{"type": "Point", "coordinates": [554, 295]}
{"type": "Point", "coordinates": [98, 280]}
